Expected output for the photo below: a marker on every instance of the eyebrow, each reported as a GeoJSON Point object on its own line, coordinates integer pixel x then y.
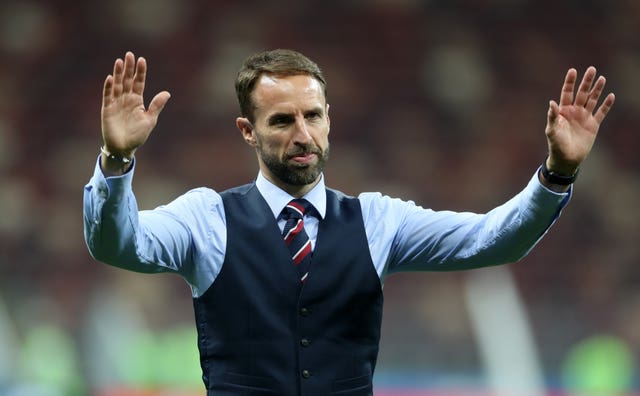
{"type": "Point", "coordinates": [279, 117]}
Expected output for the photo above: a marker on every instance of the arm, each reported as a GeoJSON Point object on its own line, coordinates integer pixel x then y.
{"type": "Point", "coordinates": [118, 234]}
{"type": "Point", "coordinates": [572, 125]}
{"type": "Point", "coordinates": [171, 238]}
{"type": "Point", "coordinates": [187, 236]}
{"type": "Point", "coordinates": [111, 220]}
{"type": "Point", "coordinates": [405, 237]}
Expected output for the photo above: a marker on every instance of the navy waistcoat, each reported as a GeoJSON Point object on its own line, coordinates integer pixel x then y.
{"type": "Point", "coordinates": [261, 333]}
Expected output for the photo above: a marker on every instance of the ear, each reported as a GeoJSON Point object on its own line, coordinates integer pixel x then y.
{"type": "Point", "coordinates": [246, 129]}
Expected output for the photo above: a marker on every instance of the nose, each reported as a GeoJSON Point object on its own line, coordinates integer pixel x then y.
{"type": "Point", "coordinates": [301, 131]}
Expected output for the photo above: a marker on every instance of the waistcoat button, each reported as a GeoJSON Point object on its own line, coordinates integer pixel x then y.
{"type": "Point", "coordinates": [305, 342]}
{"type": "Point", "coordinates": [305, 311]}
{"type": "Point", "coordinates": [306, 373]}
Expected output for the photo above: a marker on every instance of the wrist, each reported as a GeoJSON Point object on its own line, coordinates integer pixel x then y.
{"type": "Point", "coordinates": [558, 176]}
{"type": "Point", "coordinates": [113, 164]}
{"type": "Point", "coordinates": [561, 169]}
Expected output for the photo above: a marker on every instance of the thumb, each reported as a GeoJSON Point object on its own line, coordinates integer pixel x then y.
{"type": "Point", "coordinates": [158, 102]}
{"type": "Point", "coordinates": [553, 112]}
{"type": "Point", "coordinates": [552, 118]}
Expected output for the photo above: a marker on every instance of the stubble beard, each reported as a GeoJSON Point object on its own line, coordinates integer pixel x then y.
{"type": "Point", "coordinates": [292, 173]}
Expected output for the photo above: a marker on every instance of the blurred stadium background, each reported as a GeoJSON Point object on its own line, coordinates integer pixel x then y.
{"type": "Point", "coordinates": [442, 102]}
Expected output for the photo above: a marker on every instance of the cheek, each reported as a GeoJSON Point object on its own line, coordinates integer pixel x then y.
{"type": "Point", "coordinates": [322, 138]}
{"type": "Point", "coordinates": [274, 144]}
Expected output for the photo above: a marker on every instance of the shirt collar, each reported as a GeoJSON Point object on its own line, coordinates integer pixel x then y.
{"type": "Point", "coordinates": [277, 198]}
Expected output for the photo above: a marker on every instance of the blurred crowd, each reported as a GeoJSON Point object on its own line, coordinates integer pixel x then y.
{"type": "Point", "coordinates": [441, 102]}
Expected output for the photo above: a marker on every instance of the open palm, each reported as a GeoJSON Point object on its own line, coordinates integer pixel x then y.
{"type": "Point", "coordinates": [572, 125]}
{"type": "Point", "coordinates": [126, 123]}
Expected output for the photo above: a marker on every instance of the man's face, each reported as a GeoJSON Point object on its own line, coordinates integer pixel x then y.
{"type": "Point", "coordinates": [290, 131]}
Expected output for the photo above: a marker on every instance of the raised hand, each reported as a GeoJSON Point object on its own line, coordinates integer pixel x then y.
{"type": "Point", "coordinates": [126, 123]}
{"type": "Point", "coordinates": [572, 125]}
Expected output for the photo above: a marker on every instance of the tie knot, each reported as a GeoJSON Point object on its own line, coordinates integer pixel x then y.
{"type": "Point", "coordinates": [296, 208]}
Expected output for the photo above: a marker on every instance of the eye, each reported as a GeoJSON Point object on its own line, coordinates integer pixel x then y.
{"type": "Point", "coordinates": [312, 115]}
{"type": "Point", "coordinates": [280, 121]}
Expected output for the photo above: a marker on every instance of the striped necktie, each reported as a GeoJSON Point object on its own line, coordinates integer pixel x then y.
{"type": "Point", "coordinates": [295, 237]}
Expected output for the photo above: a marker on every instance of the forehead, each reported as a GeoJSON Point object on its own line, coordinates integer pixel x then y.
{"type": "Point", "coordinates": [287, 93]}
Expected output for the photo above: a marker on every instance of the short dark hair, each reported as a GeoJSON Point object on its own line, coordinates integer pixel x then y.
{"type": "Point", "coordinates": [278, 62]}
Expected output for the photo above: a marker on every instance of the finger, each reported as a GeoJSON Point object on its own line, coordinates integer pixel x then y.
{"type": "Point", "coordinates": [107, 90]}
{"type": "Point", "coordinates": [129, 68]}
{"type": "Point", "coordinates": [595, 93]}
{"type": "Point", "coordinates": [552, 114]}
{"type": "Point", "coordinates": [604, 108]}
{"type": "Point", "coordinates": [585, 86]}
{"type": "Point", "coordinates": [566, 96]}
{"type": "Point", "coordinates": [118, 74]}
{"type": "Point", "coordinates": [140, 77]}
{"type": "Point", "coordinates": [158, 102]}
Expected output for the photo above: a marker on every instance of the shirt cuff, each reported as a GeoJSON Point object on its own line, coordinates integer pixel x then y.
{"type": "Point", "coordinates": [545, 200]}
{"type": "Point", "coordinates": [113, 188]}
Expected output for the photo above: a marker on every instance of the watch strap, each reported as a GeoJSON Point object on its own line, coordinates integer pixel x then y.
{"type": "Point", "coordinates": [114, 157]}
{"type": "Point", "coordinates": [555, 178]}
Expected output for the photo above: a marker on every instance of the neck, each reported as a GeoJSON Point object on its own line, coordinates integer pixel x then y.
{"type": "Point", "coordinates": [296, 191]}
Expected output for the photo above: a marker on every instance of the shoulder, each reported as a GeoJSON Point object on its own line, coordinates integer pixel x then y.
{"type": "Point", "coordinates": [338, 195]}
{"type": "Point", "coordinates": [239, 190]}
{"type": "Point", "coordinates": [194, 204]}
{"type": "Point", "coordinates": [377, 202]}
{"type": "Point", "coordinates": [374, 202]}
{"type": "Point", "coordinates": [374, 205]}
{"type": "Point", "coordinates": [199, 195]}
{"type": "Point", "coordinates": [209, 196]}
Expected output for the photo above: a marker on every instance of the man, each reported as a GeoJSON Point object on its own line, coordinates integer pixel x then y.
{"type": "Point", "coordinates": [286, 274]}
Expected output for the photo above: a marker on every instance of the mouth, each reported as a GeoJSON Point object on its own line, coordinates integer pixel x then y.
{"type": "Point", "coordinates": [303, 158]}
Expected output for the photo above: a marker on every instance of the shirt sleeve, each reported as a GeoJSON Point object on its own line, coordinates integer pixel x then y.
{"type": "Point", "coordinates": [406, 237]}
{"type": "Point", "coordinates": [186, 236]}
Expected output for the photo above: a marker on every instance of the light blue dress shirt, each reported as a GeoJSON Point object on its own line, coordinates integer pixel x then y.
{"type": "Point", "coordinates": [188, 236]}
